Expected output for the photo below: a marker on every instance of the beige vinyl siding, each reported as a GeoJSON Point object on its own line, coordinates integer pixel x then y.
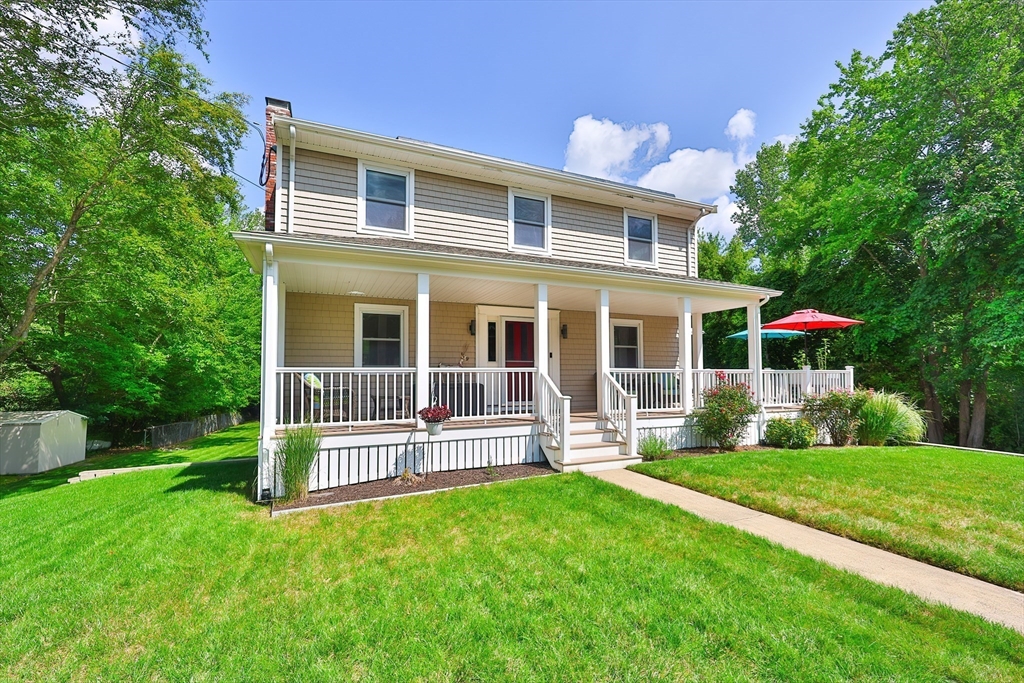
{"type": "Point", "coordinates": [320, 330]}
{"type": "Point", "coordinates": [579, 359]}
{"type": "Point", "coordinates": [661, 341]}
{"type": "Point", "coordinates": [449, 333]}
{"type": "Point", "coordinates": [325, 191]}
{"type": "Point", "coordinates": [675, 240]}
{"type": "Point", "coordinates": [462, 212]}
{"type": "Point", "coordinates": [584, 231]}
{"type": "Point", "coordinates": [468, 213]}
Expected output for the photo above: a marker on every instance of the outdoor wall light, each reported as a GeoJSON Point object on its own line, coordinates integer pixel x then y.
{"type": "Point", "coordinates": [472, 327]}
{"type": "Point", "coordinates": [565, 331]}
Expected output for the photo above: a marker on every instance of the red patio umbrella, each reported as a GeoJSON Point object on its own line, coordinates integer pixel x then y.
{"type": "Point", "coordinates": [810, 319]}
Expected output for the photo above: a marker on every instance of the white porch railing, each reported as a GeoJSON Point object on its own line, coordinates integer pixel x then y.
{"type": "Point", "coordinates": [655, 390]}
{"type": "Point", "coordinates": [620, 411]}
{"type": "Point", "coordinates": [784, 387]}
{"type": "Point", "coordinates": [658, 390]}
{"type": "Point", "coordinates": [484, 392]}
{"type": "Point", "coordinates": [554, 414]}
{"type": "Point", "coordinates": [708, 379]}
{"type": "Point", "coordinates": [345, 396]}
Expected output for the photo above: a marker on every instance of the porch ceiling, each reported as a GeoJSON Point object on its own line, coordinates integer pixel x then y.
{"type": "Point", "coordinates": [375, 283]}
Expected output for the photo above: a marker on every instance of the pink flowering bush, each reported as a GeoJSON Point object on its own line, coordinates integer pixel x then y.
{"type": "Point", "coordinates": [436, 414]}
{"type": "Point", "coordinates": [727, 411]}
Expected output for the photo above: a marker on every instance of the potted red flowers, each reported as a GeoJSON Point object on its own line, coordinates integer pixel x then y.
{"type": "Point", "coordinates": [435, 417]}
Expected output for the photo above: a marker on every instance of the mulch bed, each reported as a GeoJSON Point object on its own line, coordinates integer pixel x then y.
{"type": "Point", "coordinates": [432, 482]}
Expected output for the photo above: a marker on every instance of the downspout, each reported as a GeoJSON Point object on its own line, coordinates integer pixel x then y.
{"type": "Point", "coordinates": [291, 177]}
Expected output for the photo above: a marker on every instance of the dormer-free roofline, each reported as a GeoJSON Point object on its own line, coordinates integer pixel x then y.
{"type": "Point", "coordinates": [449, 160]}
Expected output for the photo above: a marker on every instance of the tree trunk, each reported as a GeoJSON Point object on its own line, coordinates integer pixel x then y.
{"type": "Point", "coordinates": [932, 406]}
{"type": "Point", "coordinates": [976, 437]}
{"type": "Point", "coordinates": [965, 412]}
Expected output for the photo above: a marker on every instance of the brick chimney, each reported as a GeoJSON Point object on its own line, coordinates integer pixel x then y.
{"type": "Point", "coordinates": [275, 107]}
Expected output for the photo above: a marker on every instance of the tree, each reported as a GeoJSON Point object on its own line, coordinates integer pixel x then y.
{"type": "Point", "coordinates": [902, 199]}
{"type": "Point", "coordinates": [53, 50]}
{"type": "Point", "coordinates": [123, 289]}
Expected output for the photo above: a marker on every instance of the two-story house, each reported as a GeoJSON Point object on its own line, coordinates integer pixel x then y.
{"type": "Point", "coordinates": [557, 315]}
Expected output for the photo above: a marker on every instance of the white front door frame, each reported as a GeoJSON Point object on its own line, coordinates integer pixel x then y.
{"type": "Point", "coordinates": [500, 314]}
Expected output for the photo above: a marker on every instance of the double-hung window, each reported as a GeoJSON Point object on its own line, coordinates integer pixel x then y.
{"type": "Point", "coordinates": [627, 342]}
{"type": "Point", "coordinates": [385, 200]}
{"type": "Point", "coordinates": [380, 336]}
{"type": "Point", "coordinates": [641, 235]}
{"type": "Point", "coordinates": [529, 222]}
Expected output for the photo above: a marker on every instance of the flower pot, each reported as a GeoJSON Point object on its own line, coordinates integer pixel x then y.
{"type": "Point", "coordinates": [434, 428]}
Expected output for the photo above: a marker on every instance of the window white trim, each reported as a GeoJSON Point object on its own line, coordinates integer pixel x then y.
{"type": "Point", "coordinates": [410, 193]}
{"type": "Point", "coordinates": [653, 263]}
{"type": "Point", "coordinates": [546, 198]}
{"type": "Point", "coordinates": [619, 322]}
{"type": "Point", "coordinates": [357, 348]}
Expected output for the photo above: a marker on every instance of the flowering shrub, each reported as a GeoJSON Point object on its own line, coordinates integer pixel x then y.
{"type": "Point", "coordinates": [783, 433]}
{"type": "Point", "coordinates": [835, 413]}
{"type": "Point", "coordinates": [727, 411]}
{"type": "Point", "coordinates": [436, 414]}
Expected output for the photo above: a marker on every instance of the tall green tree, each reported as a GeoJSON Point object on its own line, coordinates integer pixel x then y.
{"type": "Point", "coordinates": [123, 289]}
{"type": "Point", "coordinates": [901, 203]}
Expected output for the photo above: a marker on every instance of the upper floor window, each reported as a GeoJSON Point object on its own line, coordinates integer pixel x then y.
{"type": "Point", "coordinates": [529, 222]}
{"type": "Point", "coordinates": [641, 238]}
{"type": "Point", "coordinates": [385, 200]}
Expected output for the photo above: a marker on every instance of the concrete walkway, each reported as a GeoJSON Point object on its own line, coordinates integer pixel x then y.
{"type": "Point", "coordinates": [86, 475]}
{"type": "Point", "coordinates": [995, 603]}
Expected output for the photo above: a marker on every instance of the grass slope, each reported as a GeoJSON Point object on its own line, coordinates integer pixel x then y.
{"type": "Point", "coordinates": [173, 575]}
{"type": "Point", "coordinates": [959, 510]}
{"type": "Point", "coordinates": [233, 442]}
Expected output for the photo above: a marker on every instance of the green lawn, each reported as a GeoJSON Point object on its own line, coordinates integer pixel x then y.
{"type": "Point", "coordinates": [956, 509]}
{"type": "Point", "coordinates": [173, 575]}
{"type": "Point", "coordinates": [233, 442]}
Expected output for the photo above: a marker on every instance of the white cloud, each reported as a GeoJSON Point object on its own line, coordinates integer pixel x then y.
{"type": "Point", "coordinates": [741, 125]}
{"type": "Point", "coordinates": [605, 149]}
{"type": "Point", "coordinates": [786, 139]}
{"type": "Point", "coordinates": [693, 173]}
{"type": "Point", "coordinates": [721, 222]}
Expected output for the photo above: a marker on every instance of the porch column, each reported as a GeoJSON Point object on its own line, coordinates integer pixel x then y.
{"type": "Point", "coordinates": [422, 342]}
{"type": "Point", "coordinates": [603, 320]}
{"type": "Point", "coordinates": [754, 347]}
{"type": "Point", "coordinates": [268, 397]}
{"type": "Point", "coordinates": [698, 340]}
{"type": "Point", "coordinates": [540, 328]}
{"type": "Point", "coordinates": [686, 353]}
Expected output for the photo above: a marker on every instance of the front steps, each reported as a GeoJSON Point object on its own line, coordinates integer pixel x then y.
{"type": "Point", "coordinates": [592, 447]}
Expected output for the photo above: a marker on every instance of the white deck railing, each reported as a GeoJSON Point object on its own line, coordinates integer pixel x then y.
{"type": "Point", "coordinates": [708, 379]}
{"type": "Point", "coordinates": [784, 387]}
{"type": "Point", "coordinates": [620, 410]}
{"type": "Point", "coordinates": [345, 396]}
{"type": "Point", "coordinates": [655, 390]}
{"type": "Point", "coordinates": [554, 414]}
{"type": "Point", "coordinates": [484, 392]}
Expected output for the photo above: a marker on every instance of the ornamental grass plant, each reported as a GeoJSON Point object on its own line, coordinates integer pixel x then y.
{"type": "Point", "coordinates": [889, 418]}
{"type": "Point", "coordinates": [296, 454]}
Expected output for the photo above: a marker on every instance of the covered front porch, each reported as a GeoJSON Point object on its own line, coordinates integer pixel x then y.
{"type": "Point", "coordinates": [565, 366]}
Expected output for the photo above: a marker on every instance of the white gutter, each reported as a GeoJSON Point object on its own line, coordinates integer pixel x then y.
{"type": "Point", "coordinates": [291, 177]}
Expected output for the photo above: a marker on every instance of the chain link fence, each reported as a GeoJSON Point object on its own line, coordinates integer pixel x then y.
{"type": "Point", "coordinates": [167, 435]}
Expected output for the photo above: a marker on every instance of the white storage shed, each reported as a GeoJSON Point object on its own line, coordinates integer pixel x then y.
{"type": "Point", "coordinates": [33, 442]}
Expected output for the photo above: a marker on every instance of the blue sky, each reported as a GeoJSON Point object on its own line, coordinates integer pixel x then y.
{"type": "Point", "coordinates": [645, 91]}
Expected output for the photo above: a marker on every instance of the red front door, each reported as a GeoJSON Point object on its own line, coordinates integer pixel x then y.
{"type": "Point", "coordinates": [519, 354]}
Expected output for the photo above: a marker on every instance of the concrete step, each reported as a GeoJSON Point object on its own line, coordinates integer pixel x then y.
{"type": "Point", "coordinates": [583, 436]}
{"type": "Point", "coordinates": [598, 463]}
{"type": "Point", "coordinates": [596, 449]}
